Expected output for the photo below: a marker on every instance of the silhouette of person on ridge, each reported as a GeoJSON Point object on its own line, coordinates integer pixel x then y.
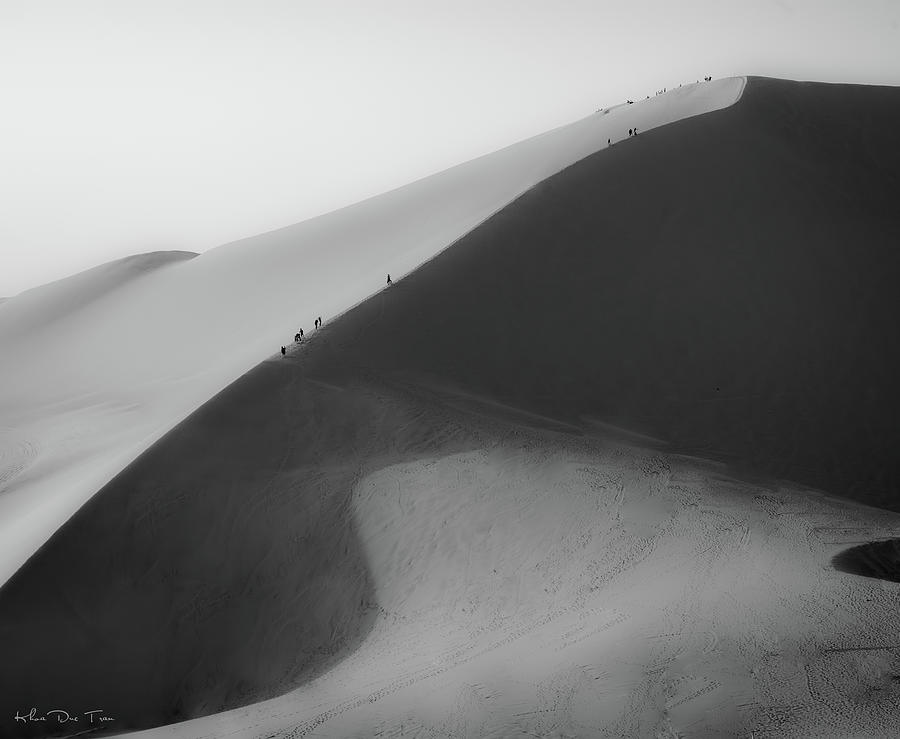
{"type": "Point", "coordinates": [283, 351]}
{"type": "Point", "coordinates": [389, 280]}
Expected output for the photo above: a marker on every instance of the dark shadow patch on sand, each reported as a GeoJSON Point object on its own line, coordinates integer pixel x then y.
{"type": "Point", "coordinates": [877, 559]}
{"type": "Point", "coordinates": [221, 568]}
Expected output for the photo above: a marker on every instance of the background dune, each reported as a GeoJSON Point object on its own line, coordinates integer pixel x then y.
{"type": "Point", "coordinates": [419, 520]}
{"type": "Point", "coordinates": [45, 306]}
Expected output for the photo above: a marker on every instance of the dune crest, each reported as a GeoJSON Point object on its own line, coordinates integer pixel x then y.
{"type": "Point", "coordinates": [140, 358]}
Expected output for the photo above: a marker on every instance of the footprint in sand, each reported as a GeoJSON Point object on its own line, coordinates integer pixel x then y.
{"type": "Point", "coordinates": [16, 455]}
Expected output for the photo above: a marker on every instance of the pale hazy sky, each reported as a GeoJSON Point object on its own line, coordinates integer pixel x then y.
{"type": "Point", "coordinates": [183, 124]}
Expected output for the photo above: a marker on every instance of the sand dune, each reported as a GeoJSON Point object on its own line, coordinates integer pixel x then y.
{"type": "Point", "coordinates": [43, 306]}
{"type": "Point", "coordinates": [422, 521]}
{"type": "Point", "coordinates": [726, 283]}
{"type": "Point", "coordinates": [87, 390]}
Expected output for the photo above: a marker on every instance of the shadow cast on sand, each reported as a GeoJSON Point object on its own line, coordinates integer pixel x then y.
{"type": "Point", "coordinates": [877, 559]}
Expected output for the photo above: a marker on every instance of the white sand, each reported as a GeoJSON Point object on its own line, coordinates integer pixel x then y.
{"type": "Point", "coordinates": [108, 363]}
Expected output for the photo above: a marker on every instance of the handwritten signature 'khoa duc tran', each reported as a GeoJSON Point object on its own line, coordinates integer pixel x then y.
{"type": "Point", "coordinates": [59, 716]}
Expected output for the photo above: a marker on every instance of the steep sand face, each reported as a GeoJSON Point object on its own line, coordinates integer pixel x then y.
{"type": "Point", "coordinates": [216, 570]}
{"type": "Point", "coordinates": [728, 284]}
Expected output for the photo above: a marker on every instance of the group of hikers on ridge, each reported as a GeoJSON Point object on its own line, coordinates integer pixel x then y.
{"type": "Point", "coordinates": [298, 337]}
{"type": "Point", "coordinates": [631, 132]}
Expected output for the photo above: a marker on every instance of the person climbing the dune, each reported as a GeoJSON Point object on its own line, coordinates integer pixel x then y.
{"type": "Point", "coordinates": [320, 321]}
{"type": "Point", "coordinates": [389, 280]}
{"type": "Point", "coordinates": [297, 337]}
{"type": "Point", "coordinates": [316, 324]}
{"type": "Point", "coordinates": [300, 333]}
{"type": "Point", "coordinates": [283, 351]}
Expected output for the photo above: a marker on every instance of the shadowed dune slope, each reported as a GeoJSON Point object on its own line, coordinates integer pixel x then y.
{"type": "Point", "coordinates": [728, 284]}
{"type": "Point", "coordinates": [219, 568]}
{"type": "Point", "coordinates": [877, 559]}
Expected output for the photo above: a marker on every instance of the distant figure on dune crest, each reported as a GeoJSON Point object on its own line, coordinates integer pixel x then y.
{"type": "Point", "coordinates": [298, 337]}
{"type": "Point", "coordinates": [320, 321]}
{"type": "Point", "coordinates": [316, 322]}
{"type": "Point", "coordinates": [629, 132]}
{"type": "Point", "coordinates": [608, 142]}
{"type": "Point", "coordinates": [389, 280]}
{"type": "Point", "coordinates": [283, 351]}
{"type": "Point", "coordinates": [301, 333]}
{"type": "Point", "coordinates": [635, 130]}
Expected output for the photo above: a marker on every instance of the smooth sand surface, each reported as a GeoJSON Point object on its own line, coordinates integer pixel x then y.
{"type": "Point", "coordinates": [95, 368]}
{"type": "Point", "coordinates": [422, 522]}
{"type": "Point", "coordinates": [46, 305]}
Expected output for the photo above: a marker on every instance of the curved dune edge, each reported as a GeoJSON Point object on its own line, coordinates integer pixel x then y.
{"type": "Point", "coordinates": [521, 578]}
{"type": "Point", "coordinates": [217, 569]}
